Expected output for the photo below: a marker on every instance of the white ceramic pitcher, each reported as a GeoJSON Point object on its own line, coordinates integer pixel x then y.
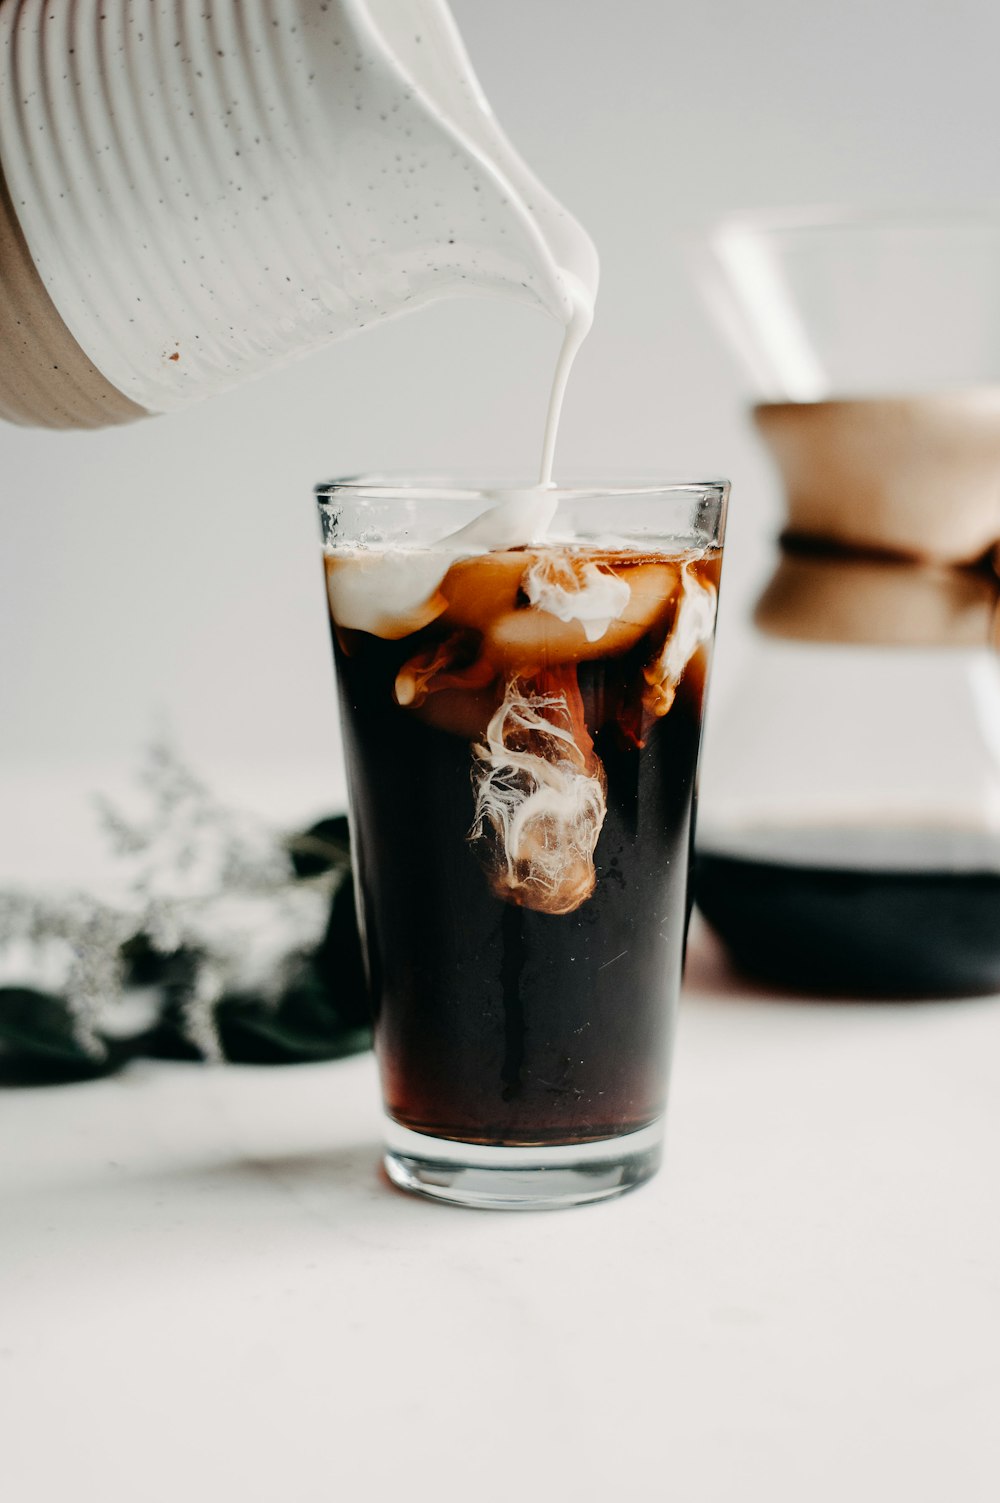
{"type": "Point", "coordinates": [198, 191]}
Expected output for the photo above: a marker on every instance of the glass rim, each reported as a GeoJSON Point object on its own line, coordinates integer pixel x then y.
{"type": "Point", "coordinates": [455, 488]}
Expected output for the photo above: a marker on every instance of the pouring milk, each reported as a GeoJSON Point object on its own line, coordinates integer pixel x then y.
{"type": "Point", "coordinates": [191, 196]}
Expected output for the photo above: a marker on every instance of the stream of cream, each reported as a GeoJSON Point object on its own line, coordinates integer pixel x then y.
{"type": "Point", "coordinates": [386, 585]}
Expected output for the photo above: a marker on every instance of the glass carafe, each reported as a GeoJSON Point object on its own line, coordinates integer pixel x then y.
{"type": "Point", "coordinates": [849, 839]}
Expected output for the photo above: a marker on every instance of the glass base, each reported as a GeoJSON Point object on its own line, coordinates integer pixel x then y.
{"type": "Point", "coordinates": [545, 1178]}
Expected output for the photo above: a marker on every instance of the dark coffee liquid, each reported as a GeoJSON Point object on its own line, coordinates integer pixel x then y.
{"type": "Point", "coordinates": [867, 932]}
{"type": "Point", "coordinates": [496, 1023]}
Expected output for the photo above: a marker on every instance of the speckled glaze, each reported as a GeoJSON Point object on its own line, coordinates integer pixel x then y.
{"type": "Point", "coordinates": [211, 188]}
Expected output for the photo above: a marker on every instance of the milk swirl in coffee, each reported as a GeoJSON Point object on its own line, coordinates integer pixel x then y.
{"type": "Point", "coordinates": [522, 747]}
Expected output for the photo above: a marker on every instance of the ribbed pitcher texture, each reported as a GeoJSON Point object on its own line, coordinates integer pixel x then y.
{"type": "Point", "coordinates": [196, 193]}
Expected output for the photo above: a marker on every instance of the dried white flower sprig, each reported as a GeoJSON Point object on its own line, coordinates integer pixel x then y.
{"type": "Point", "coordinates": [219, 885]}
{"type": "Point", "coordinates": [69, 946]}
{"type": "Point", "coordinates": [216, 886]}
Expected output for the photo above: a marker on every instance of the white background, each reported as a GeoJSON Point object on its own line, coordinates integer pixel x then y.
{"type": "Point", "coordinates": [169, 571]}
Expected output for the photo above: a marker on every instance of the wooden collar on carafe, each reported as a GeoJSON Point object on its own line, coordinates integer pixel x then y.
{"type": "Point", "coordinates": [893, 519]}
{"type": "Point", "coordinates": [913, 476]}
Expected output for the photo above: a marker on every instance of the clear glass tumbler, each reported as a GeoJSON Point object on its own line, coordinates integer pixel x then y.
{"type": "Point", "coordinates": [521, 729]}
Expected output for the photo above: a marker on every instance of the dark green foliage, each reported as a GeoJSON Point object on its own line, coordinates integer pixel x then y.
{"type": "Point", "coordinates": [322, 1014]}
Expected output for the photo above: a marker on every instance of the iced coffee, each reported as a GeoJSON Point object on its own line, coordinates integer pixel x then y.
{"type": "Point", "coordinates": [521, 730]}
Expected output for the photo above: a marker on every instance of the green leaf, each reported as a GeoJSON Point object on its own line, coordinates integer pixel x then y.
{"type": "Point", "coordinates": [324, 845]}
{"type": "Point", "coordinates": [39, 1042]}
{"type": "Point", "coordinates": [339, 963]}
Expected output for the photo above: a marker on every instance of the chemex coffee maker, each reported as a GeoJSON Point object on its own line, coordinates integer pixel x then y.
{"type": "Point", "coordinates": [849, 833]}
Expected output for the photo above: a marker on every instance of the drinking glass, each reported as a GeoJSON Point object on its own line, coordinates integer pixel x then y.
{"type": "Point", "coordinates": [521, 730]}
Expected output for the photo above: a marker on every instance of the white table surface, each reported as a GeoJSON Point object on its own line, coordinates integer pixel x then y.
{"type": "Point", "coordinates": [209, 1292]}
